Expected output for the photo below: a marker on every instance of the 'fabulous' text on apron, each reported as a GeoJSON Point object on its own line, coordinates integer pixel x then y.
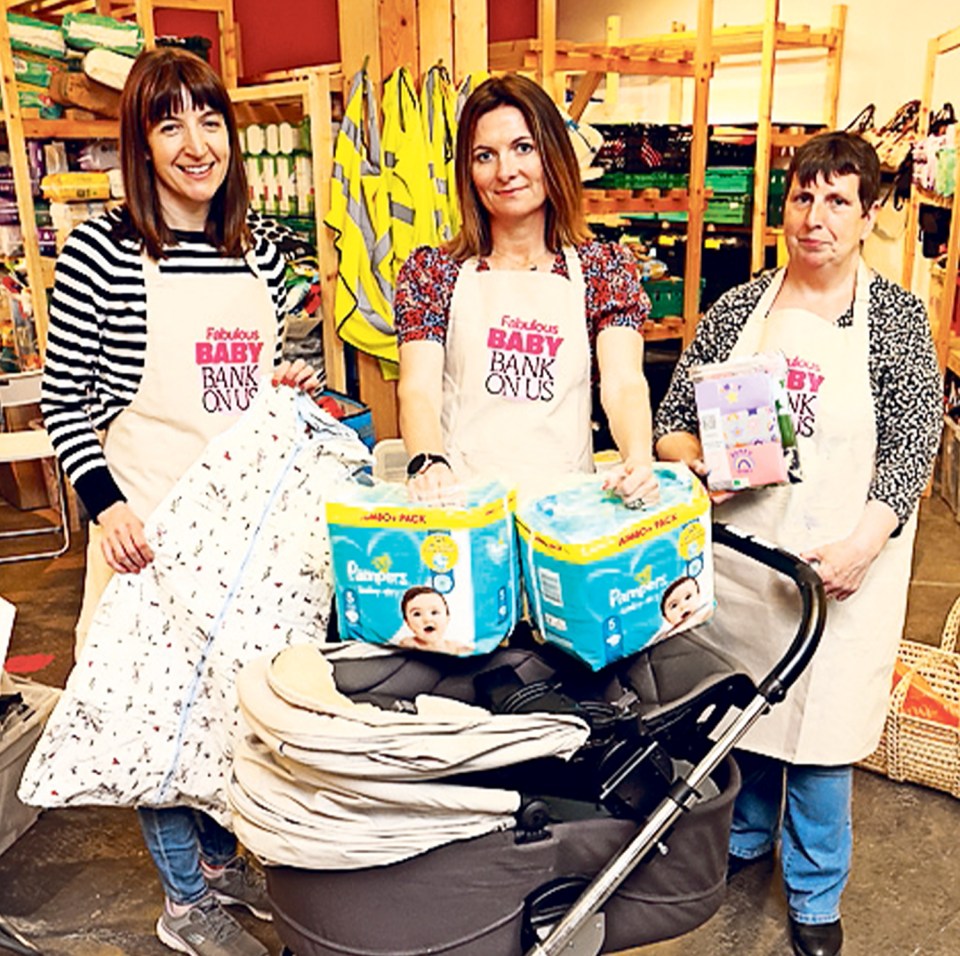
{"type": "Point", "coordinates": [516, 381]}
{"type": "Point", "coordinates": [210, 338]}
{"type": "Point", "coordinates": [835, 712]}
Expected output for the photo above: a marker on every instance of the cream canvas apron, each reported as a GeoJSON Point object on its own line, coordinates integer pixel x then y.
{"type": "Point", "coordinates": [516, 382]}
{"type": "Point", "coordinates": [209, 339]}
{"type": "Point", "coordinates": [834, 714]}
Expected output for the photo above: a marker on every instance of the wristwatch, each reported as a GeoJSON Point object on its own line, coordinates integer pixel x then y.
{"type": "Point", "coordinates": [422, 461]}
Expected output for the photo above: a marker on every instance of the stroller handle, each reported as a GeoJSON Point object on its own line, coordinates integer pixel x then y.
{"type": "Point", "coordinates": [566, 934]}
{"type": "Point", "coordinates": [813, 613]}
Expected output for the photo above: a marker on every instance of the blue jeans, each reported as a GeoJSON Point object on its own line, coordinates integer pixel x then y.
{"type": "Point", "coordinates": [809, 809]}
{"type": "Point", "coordinates": [178, 838]}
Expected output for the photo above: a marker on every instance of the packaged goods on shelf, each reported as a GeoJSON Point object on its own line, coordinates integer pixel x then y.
{"type": "Point", "coordinates": [84, 31]}
{"type": "Point", "coordinates": [35, 70]}
{"type": "Point", "coordinates": [41, 103]}
{"type": "Point", "coordinates": [17, 329]}
{"type": "Point", "coordinates": [99, 156]}
{"type": "Point", "coordinates": [107, 67]}
{"type": "Point", "coordinates": [116, 183]}
{"type": "Point", "coordinates": [35, 36]}
{"type": "Point", "coordinates": [77, 89]}
{"type": "Point", "coordinates": [604, 580]}
{"type": "Point", "coordinates": [66, 215]}
{"type": "Point", "coordinates": [11, 239]}
{"type": "Point", "coordinates": [54, 157]}
{"type": "Point", "coordinates": [75, 187]}
{"type": "Point", "coordinates": [303, 181]}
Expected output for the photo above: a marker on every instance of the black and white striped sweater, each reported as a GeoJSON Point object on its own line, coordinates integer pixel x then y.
{"type": "Point", "coordinates": [98, 333]}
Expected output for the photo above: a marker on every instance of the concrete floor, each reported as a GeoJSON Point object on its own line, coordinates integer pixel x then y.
{"type": "Point", "coordinates": [80, 883]}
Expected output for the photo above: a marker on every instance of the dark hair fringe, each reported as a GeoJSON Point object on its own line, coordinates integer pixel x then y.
{"type": "Point", "coordinates": [838, 153]}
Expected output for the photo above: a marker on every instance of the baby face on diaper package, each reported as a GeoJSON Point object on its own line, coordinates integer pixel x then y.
{"type": "Point", "coordinates": [746, 428]}
{"type": "Point", "coordinates": [604, 580]}
{"type": "Point", "coordinates": [422, 576]}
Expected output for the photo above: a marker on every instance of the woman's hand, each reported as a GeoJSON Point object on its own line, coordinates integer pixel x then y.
{"type": "Point", "coordinates": [842, 565]}
{"type": "Point", "coordinates": [436, 483]}
{"type": "Point", "coordinates": [634, 481]}
{"type": "Point", "coordinates": [297, 374]}
{"type": "Point", "coordinates": [124, 545]}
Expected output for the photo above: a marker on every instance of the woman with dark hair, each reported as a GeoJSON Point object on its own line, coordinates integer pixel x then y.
{"type": "Point", "coordinates": [501, 329]}
{"type": "Point", "coordinates": [165, 315]}
{"type": "Point", "coordinates": [865, 393]}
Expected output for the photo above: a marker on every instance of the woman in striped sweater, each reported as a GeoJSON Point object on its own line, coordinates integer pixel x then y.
{"type": "Point", "coordinates": [165, 315]}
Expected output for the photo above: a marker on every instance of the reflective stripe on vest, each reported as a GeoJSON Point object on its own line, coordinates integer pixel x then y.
{"type": "Point", "coordinates": [437, 105]}
{"type": "Point", "coordinates": [406, 173]}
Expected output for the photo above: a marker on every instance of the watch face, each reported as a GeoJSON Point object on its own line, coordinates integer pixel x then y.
{"type": "Point", "coordinates": [415, 465]}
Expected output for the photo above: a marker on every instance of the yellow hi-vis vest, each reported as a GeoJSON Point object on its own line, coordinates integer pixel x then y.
{"type": "Point", "coordinates": [363, 307]}
{"type": "Point", "coordinates": [406, 172]}
{"type": "Point", "coordinates": [437, 105]}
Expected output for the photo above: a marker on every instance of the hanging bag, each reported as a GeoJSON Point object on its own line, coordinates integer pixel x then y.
{"type": "Point", "coordinates": [894, 139]}
{"type": "Point", "coordinates": [863, 123]}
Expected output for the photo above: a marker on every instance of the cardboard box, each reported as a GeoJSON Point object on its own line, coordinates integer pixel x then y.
{"type": "Point", "coordinates": [19, 734]}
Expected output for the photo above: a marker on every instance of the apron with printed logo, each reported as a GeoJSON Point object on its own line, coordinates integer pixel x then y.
{"type": "Point", "coordinates": [835, 712]}
{"type": "Point", "coordinates": [516, 380]}
{"type": "Point", "coordinates": [209, 340]}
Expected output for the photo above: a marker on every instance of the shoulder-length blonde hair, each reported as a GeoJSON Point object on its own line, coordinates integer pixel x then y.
{"type": "Point", "coordinates": [160, 83]}
{"type": "Point", "coordinates": [565, 223]}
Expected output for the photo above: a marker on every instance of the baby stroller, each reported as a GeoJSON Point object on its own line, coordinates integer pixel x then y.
{"type": "Point", "coordinates": [624, 845]}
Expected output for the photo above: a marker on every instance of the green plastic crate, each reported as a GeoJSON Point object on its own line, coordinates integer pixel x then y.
{"type": "Point", "coordinates": [730, 210]}
{"type": "Point", "coordinates": [729, 179]}
{"type": "Point", "coordinates": [775, 197]}
{"type": "Point", "coordinates": [666, 296]}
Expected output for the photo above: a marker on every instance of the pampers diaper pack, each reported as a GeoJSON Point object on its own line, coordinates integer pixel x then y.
{"type": "Point", "coordinates": [442, 579]}
{"type": "Point", "coordinates": [604, 580]}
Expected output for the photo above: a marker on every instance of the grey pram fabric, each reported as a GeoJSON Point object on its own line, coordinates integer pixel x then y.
{"type": "Point", "coordinates": [330, 783]}
{"type": "Point", "coordinates": [467, 898]}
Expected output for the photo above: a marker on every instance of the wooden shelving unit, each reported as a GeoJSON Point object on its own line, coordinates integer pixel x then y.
{"type": "Point", "coordinates": [693, 53]}
{"type": "Point", "coordinates": [941, 312]}
{"type": "Point", "coordinates": [766, 39]}
{"type": "Point", "coordinates": [306, 93]}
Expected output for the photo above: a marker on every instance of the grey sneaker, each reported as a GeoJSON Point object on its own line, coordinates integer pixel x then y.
{"type": "Point", "coordinates": [241, 884]}
{"type": "Point", "coordinates": [207, 929]}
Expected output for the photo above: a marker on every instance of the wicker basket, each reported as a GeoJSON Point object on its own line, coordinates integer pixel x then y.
{"type": "Point", "coordinates": [915, 748]}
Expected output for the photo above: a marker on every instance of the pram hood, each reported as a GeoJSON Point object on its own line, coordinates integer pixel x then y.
{"type": "Point", "coordinates": [330, 783]}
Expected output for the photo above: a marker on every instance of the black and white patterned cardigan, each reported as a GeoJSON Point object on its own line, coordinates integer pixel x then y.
{"type": "Point", "coordinates": [904, 377]}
